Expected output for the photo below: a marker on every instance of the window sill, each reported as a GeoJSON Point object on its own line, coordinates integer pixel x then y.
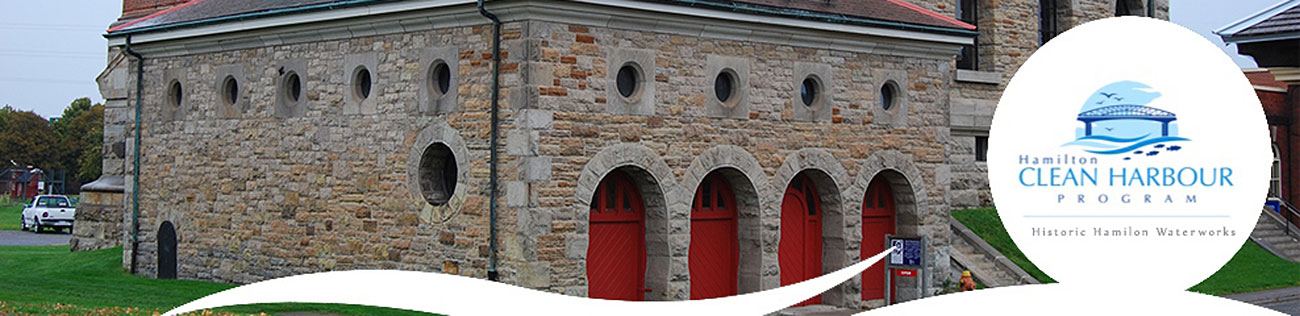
{"type": "Point", "coordinates": [985, 77]}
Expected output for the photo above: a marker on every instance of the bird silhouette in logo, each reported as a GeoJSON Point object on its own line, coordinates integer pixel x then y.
{"type": "Point", "coordinates": [1108, 95]}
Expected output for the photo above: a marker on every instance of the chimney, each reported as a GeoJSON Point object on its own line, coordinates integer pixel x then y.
{"type": "Point", "coordinates": [132, 9]}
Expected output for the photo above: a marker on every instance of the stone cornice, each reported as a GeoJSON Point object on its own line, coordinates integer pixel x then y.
{"type": "Point", "coordinates": [1289, 75]}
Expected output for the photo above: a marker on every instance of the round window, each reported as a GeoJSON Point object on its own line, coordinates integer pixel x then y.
{"type": "Point", "coordinates": [628, 80]}
{"type": "Point", "coordinates": [292, 87]}
{"type": "Point", "coordinates": [361, 83]}
{"type": "Point", "coordinates": [440, 77]}
{"type": "Point", "coordinates": [175, 94]}
{"type": "Point", "coordinates": [230, 90]}
{"type": "Point", "coordinates": [724, 86]}
{"type": "Point", "coordinates": [437, 174]}
{"type": "Point", "coordinates": [810, 91]}
{"type": "Point", "coordinates": [888, 95]}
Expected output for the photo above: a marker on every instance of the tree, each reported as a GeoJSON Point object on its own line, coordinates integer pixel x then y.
{"type": "Point", "coordinates": [75, 109]}
{"type": "Point", "coordinates": [28, 139]}
{"type": "Point", "coordinates": [5, 112]}
{"type": "Point", "coordinates": [80, 132]}
{"type": "Point", "coordinates": [81, 142]}
{"type": "Point", "coordinates": [73, 142]}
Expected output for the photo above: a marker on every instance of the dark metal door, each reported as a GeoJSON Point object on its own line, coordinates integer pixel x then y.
{"type": "Point", "coordinates": [166, 251]}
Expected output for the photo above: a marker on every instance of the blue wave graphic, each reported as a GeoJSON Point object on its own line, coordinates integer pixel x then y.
{"type": "Point", "coordinates": [1114, 139]}
{"type": "Point", "coordinates": [1113, 145]}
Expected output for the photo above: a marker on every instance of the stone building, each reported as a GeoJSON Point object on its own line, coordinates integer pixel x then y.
{"type": "Point", "coordinates": [656, 150]}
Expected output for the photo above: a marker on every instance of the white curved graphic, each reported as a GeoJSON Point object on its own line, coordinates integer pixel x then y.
{"type": "Point", "coordinates": [1067, 299]}
{"type": "Point", "coordinates": [459, 296]}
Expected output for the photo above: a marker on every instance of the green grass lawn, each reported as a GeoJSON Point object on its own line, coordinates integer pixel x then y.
{"type": "Point", "coordinates": [1251, 269]}
{"type": "Point", "coordinates": [985, 223]}
{"type": "Point", "coordinates": [9, 214]}
{"type": "Point", "coordinates": [52, 280]}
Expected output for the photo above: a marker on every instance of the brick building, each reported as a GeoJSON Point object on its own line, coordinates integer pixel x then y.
{"type": "Point", "coordinates": [656, 150]}
{"type": "Point", "coordinates": [1273, 96]}
{"type": "Point", "coordinates": [1272, 37]}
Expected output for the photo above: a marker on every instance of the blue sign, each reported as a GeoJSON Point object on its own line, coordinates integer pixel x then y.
{"type": "Point", "coordinates": [907, 251]}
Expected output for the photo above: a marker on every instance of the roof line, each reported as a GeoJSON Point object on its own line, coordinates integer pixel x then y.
{"type": "Point", "coordinates": [155, 14]}
{"type": "Point", "coordinates": [117, 31]}
{"type": "Point", "coordinates": [1232, 29]}
{"type": "Point", "coordinates": [823, 16]}
{"type": "Point", "coordinates": [750, 9]}
{"type": "Point", "coordinates": [925, 11]}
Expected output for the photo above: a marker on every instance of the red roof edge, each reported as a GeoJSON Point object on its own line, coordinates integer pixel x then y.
{"type": "Point", "coordinates": [155, 14]}
{"type": "Point", "coordinates": [925, 11]}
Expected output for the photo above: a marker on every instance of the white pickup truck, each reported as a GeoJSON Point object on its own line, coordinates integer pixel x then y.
{"type": "Point", "coordinates": [48, 211]}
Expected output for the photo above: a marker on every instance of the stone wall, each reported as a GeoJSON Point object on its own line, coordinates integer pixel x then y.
{"type": "Point", "coordinates": [271, 190]}
{"type": "Point", "coordinates": [99, 222]}
{"type": "Point", "coordinates": [102, 219]}
{"type": "Point", "coordinates": [574, 138]}
{"type": "Point", "coordinates": [259, 193]}
{"type": "Point", "coordinates": [1008, 36]}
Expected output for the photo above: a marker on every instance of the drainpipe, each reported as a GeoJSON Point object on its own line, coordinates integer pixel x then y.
{"type": "Point", "coordinates": [135, 170]}
{"type": "Point", "coordinates": [492, 145]}
{"type": "Point", "coordinates": [1151, 8]}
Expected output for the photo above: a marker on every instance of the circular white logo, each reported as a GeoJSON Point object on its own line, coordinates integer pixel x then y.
{"type": "Point", "coordinates": [1129, 152]}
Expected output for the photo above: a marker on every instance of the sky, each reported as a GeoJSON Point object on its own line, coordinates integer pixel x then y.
{"type": "Point", "coordinates": [1205, 16]}
{"type": "Point", "coordinates": [53, 49]}
{"type": "Point", "coordinates": [51, 52]}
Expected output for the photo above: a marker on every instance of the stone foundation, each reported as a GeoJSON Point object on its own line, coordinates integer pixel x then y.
{"type": "Point", "coordinates": [99, 218]}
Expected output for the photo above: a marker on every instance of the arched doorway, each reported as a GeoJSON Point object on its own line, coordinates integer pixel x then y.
{"type": "Point", "coordinates": [616, 256]}
{"type": "Point", "coordinates": [714, 253]}
{"type": "Point", "coordinates": [877, 221]}
{"type": "Point", "coordinates": [166, 251]}
{"type": "Point", "coordinates": [800, 249]}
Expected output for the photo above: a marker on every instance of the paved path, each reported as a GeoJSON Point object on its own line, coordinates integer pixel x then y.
{"type": "Point", "coordinates": [22, 238]}
{"type": "Point", "coordinates": [1286, 300]}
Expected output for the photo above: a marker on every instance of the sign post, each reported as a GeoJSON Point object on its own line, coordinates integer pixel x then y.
{"type": "Point", "coordinates": [906, 260]}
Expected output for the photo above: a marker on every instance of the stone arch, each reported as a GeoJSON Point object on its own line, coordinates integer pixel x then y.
{"type": "Point", "coordinates": [829, 177]}
{"type": "Point", "coordinates": [750, 186]}
{"type": "Point", "coordinates": [150, 230]}
{"type": "Point", "coordinates": [438, 132]}
{"type": "Point", "coordinates": [905, 180]}
{"type": "Point", "coordinates": [666, 223]}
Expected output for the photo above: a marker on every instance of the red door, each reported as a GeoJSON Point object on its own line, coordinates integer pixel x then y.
{"type": "Point", "coordinates": [616, 249]}
{"type": "Point", "coordinates": [714, 254]}
{"type": "Point", "coordinates": [800, 250]}
{"type": "Point", "coordinates": [877, 221]}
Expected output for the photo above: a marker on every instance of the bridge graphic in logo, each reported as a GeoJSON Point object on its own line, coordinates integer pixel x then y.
{"type": "Point", "coordinates": [1119, 120]}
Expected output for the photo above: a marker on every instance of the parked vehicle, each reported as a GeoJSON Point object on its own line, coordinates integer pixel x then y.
{"type": "Point", "coordinates": [48, 211]}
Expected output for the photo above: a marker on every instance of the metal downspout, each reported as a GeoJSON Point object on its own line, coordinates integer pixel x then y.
{"type": "Point", "coordinates": [135, 170]}
{"type": "Point", "coordinates": [492, 145]}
